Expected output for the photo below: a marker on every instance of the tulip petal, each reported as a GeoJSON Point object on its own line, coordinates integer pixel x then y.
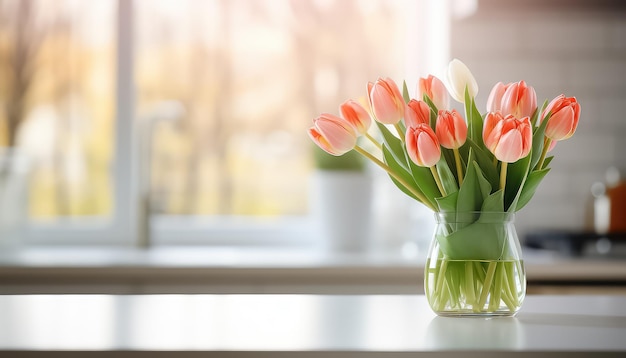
{"type": "Point", "coordinates": [429, 150]}
{"type": "Point", "coordinates": [509, 148]}
{"type": "Point", "coordinates": [333, 134]}
{"type": "Point", "coordinates": [459, 78]}
{"type": "Point", "coordinates": [561, 124]}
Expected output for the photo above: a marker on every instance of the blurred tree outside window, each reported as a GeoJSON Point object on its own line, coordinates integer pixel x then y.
{"type": "Point", "coordinates": [251, 75]}
{"type": "Point", "coordinates": [225, 91]}
{"type": "Point", "coordinates": [56, 101]}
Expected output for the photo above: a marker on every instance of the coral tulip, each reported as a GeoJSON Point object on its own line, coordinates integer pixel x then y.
{"type": "Point", "coordinates": [356, 115]}
{"type": "Point", "coordinates": [508, 138]}
{"type": "Point", "coordinates": [386, 101]}
{"type": "Point", "coordinates": [459, 78]}
{"type": "Point", "coordinates": [519, 100]}
{"type": "Point", "coordinates": [416, 112]}
{"type": "Point", "coordinates": [333, 134]}
{"type": "Point", "coordinates": [432, 87]}
{"type": "Point", "coordinates": [564, 115]}
{"type": "Point", "coordinates": [494, 102]}
{"type": "Point", "coordinates": [451, 129]}
{"type": "Point", "coordinates": [422, 145]}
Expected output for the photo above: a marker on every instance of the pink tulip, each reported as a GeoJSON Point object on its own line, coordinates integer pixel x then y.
{"type": "Point", "coordinates": [333, 134]}
{"type": "Point", "coordinates": [422, 145]}
{"type": "Point", "coordinates": [356, 115]}
{"type": "Point", "coordinates": [508, 138]}
{"type": "Point", "coordinates": [564, 115]}
{"type": "Point", "coordinates": [494, 102]}
{"type": "Point", "coordinates": [386, 101]}
{"type": "Point", "coordinates": [519, 100]}
{"type": "Point", "coordinates": [416, 112]}
{"type": "Point", "coordinates": [432, 87]}
{"type": "Point", "coordinates": [451, 129]}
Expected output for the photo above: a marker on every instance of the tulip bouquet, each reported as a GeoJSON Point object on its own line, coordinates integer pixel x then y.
{"type": "Point", "coordinates": [478, 163]}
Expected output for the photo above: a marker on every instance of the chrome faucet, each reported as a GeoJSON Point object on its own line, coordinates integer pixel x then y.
{"type": "Point", "coordinates": [166, 111]}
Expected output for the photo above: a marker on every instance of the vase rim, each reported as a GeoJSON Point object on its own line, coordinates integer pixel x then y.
{"type": "Point", "coordinates": [472, 216]}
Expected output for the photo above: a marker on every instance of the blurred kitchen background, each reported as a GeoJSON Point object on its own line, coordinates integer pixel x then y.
{"type": "Point", "coordinates": [160, 122]}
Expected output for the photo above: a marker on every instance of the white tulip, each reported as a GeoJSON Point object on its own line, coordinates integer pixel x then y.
{"type": "Point", "coordinates": [458, 78]}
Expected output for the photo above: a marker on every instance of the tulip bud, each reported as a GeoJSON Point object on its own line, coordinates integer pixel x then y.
{"type": "Point", "coordinates": [386, 101]}
{"type": "Point", "coordinates": [508, 138]}
{"type": "Point", "coordinates": [356, 115]}
{"type": "Point", "coordinates": [459, 78]}
{"type": "Point", "coordinates": [333, 134]}
{"type": "Point", "coordinates": [519, 100]}
{"type": "Point", "coordinates": [451, 129]}
{"type": "Point", "coordinates": [422, 145]}
{"type": "Point", "coordinates": [564, 115]}
{"type": "Point", "coordinates": [416, 112]}
{"type": "Point", "coordinates": [432, 87]}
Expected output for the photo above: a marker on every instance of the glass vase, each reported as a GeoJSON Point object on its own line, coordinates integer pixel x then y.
{"type": "Point", "coordinates": [474, 265]}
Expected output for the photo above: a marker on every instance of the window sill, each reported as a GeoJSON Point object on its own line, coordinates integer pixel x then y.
{"type": "Point", "coordinates": [212, 269]}
{"type": "Point", "coordinates": [206, 269]}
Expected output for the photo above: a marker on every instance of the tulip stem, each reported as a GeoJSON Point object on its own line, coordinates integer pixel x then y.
{"type": "Point", "coordinates": [400, 132]}
{"type": "Point", "coordinates": [433, 170]}
{"type": "Point", "coordinates": [459, 167]}
{"type": "Point", "coordinates": [395, 176]}
{"type": "Point", "coordinates": [503, 167]}
{"type": "Point", "coordinates": [373, 140]}
{"type": "Point", "coordinates": [546, 145]}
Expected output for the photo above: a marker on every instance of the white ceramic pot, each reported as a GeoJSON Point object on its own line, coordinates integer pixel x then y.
{"type": "Point", "coordinates": [342, 208]}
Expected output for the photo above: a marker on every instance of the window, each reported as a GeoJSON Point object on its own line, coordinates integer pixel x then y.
{"type": "Point", "coordinates": [57, 103]}
{"type": "Point", "coordinates": [202, 105]}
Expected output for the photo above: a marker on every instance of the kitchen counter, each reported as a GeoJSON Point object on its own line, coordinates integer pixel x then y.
{"type": "Point", "coordinates": [265, 270]}
{"type": "Point", "coordinates": [300, 326]}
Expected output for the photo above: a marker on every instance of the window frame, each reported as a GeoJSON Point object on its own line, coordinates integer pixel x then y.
{"type": "Point", "coordinates": [131, 225]}
{"type": "Point", "coordinates": [120, 228]}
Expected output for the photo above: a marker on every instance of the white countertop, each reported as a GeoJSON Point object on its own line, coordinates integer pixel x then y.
{"type": "Point", "coordinates": [301, 325]}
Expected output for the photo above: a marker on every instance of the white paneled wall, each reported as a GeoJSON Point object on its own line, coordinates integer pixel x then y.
{"type": "Point", "coordinates": [578, 50]}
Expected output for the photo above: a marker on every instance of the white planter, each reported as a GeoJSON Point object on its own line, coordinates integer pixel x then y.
{"type": "Point", "coordinates": [14, 180]}
{"type": "Point", "coordinates": [341, 205]}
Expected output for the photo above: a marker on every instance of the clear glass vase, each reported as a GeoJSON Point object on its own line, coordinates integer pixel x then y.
{"type": "Point", "coordinates": [474, 265]}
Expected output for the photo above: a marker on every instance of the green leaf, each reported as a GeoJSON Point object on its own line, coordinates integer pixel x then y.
{"type": "Point", "coordinates": [405, 93]}
{"type": "Point", "coordinates": [400, 171]}
{"type": "Point", "coordinates": [474, 190]}
{"type": "Point", "coordinates": [477, 120]}
{"type": "Point", "coordinates": [448, 203]}
{"type": "Point", "coordinates": [537, 147]}
{"type": "Point", "coordinates": [483, 184]}
{"type": "Point", "coordinates": [394, 145]}
{"type": "Point", "coordinates": [448, 156]}
{"type": "Point", "coordinates": [486, 163]}
{"type": "Point", "coordinates": [481, 238]}
{"type": "Point", "coordinates": [535, 117]}
{"type": "Point", "coordinates": [433, 111]}
{"type": "Point", "coordinates": [402, 126]}
{"type": "Point", "coordinates": [474, 120]}
{"type": "Point", "coordinates": [515, 179]}
{"type": "Point", "coordinates": [494, 203]}
{"type": "Point", "coordinates": [425, 182]}
{"type": "Point", "coordinates": [447, 178]}
{"type": "Point", "coordinates": [547, 161]}
{"type": "Point", "coordinates": [531, 185]}
{"type": "Point", "coordinates": [476, 241]}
